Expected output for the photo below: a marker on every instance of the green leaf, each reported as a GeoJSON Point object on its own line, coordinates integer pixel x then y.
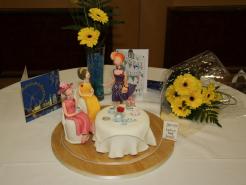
{"type": "Point", "coordinates": [111, 11]}
{"type": "Point", "coordinates": [105, 2]}
{"type": "Point", "coordinates": [202, 116]}
{"type": "Point", "coordinates": [213, 112]}
{"type": "Point", "coordinates": [211, 119]}
{"type": "Point", "coordinates": [218, 124]}
{"type": "Point", "coordinates": [86, 4]}
{"type": "Point", "coordinates": [72, 27]}
{"type": "Point", "coordinates": [207, 117]}
{"type": "Point", "coordinates": [92, 1]}
{"type": "Point", "coordinates": [214, 107]}
{"type": "Point", "coordinates": [217, 87]}
{"type": "Point", "coordinates": [197, 115]}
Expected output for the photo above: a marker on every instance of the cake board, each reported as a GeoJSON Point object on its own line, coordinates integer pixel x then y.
{"type": "Point", "coordinates": [84, 159]}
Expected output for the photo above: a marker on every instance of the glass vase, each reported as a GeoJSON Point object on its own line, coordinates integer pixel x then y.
{"type": "Point", "coordinates": [95, 65]}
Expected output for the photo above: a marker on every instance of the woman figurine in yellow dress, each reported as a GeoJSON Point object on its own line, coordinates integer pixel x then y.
{"type": "Point", "coordinates": [87, 93]}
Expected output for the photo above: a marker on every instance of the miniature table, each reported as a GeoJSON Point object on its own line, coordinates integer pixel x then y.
{"type": "Point", "coordinates": [122, 138]}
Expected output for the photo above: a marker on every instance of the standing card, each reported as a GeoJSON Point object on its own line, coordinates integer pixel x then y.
{"type": "Point", "coordinates": [170, 130]}
{"type": "Point", "coordinates": [136, 67]}
{"type": "Point", "coordinates": [40, 95]}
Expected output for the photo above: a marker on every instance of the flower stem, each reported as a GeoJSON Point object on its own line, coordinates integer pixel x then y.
{"type": "Point", "coordinates": [86, 18]}
{"type": "Point", "coordinates": [98, 4]}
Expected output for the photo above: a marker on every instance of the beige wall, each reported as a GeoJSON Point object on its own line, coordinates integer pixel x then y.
{"type": "Point", "coordinates": [145, 20]}
{"type": "Point", "coordinates": [127, 35]}
{"type": "Point", "coordinates": [152, 30]}
{"type": "Point", "coordinates": [153, 23]}
{"type": "Point", "coordinates": [144, 27]}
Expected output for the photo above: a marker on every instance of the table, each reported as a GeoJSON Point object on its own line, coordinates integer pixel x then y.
{"type": "Point", "coordinates": [119, 140]}
{"type": "Point", "coordinates": [210, 156]}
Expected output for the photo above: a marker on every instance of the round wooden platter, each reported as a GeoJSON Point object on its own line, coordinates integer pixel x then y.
{"type": "Point", "coordinates": [84, 159]}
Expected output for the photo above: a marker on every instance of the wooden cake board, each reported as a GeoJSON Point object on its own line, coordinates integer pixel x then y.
{"type": "Point", "coordinates": [84, 159]}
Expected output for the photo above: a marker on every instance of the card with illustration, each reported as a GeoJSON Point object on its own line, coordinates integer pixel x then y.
{"type": "Point", "coordinates": [136, 66]}
{"type": "Point", "coordinates": [40, 95]}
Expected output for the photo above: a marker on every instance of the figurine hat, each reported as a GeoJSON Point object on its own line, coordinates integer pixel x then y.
{"type": "Point", "coordinates": [64, 86]}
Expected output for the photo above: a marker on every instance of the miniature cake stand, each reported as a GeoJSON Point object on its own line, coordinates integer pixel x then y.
{"type": "Point", "coordinates": [84, 158]}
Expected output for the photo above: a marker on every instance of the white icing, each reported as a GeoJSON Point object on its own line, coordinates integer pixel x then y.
{"type": "Point", "coordinates": [137, 127]}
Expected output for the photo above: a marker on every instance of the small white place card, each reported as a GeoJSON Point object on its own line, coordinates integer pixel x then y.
{"type": "Point", "coordinates": [170, 130]}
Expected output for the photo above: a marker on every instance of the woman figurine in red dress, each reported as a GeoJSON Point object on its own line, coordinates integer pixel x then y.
{"type": "Point", "coordinates": [81, 119]}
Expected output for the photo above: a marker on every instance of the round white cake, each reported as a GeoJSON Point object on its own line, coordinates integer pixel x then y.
{"type": "Point", "coordinates": [118, 137]}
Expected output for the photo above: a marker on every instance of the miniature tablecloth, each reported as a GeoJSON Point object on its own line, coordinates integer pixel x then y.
{"type": "Point", "coordinates": [119, 139]}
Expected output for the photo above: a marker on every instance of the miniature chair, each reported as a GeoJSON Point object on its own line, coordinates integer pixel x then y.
{"type": "Point", "coordinates": [81, 102]}
{"type": "Point", "coordinates": [69, 125]}
{"type": "Point", "coordinates": [70, 131]}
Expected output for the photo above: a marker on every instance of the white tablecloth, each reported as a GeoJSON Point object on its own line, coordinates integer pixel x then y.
{"type": "Point", "coordinates": [214, 156]}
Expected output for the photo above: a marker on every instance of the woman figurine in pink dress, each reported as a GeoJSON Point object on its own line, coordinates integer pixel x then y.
{"type": "Point", "coordinates": [81, 119]}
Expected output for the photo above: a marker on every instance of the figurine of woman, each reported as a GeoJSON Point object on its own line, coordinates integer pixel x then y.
{"type": "Point", "coordinates": [121, 90]}
{"type": "Point", "coordinates": [86, 91]}
{"type": "Point", "coordinates": [81, 120]}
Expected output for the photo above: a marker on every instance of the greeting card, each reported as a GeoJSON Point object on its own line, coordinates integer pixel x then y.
{"type": "Point", "coordinates": [40, 95]}
{"type": "Point", "coordinates": [136, 66]}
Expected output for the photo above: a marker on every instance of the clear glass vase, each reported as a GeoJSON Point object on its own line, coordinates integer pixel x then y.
{"type": "Point", "coordinates": [95, 65]}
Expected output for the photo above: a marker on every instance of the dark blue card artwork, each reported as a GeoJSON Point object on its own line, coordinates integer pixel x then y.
{"type": "Point", "coordinates": [40, 95]}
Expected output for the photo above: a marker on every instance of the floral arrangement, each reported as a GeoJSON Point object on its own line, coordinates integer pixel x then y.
{"type": "Point", "coordinates": [189, 89]}
{"type": "Point", "coordinates": [92, 19]}
{"type": "Point", "coordinates": [188, 98]}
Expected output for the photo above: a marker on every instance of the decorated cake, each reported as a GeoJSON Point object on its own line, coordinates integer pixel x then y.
{"type": "Point", "coordinates": [119, 129]}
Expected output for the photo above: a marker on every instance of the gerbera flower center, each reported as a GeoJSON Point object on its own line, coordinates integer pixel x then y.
{"type": "Point", "coordinates": [208, 95]}
{"type": "Point", "coordinates": [89, 36]}
{"type": "Point", "coordinates": [192, 98]}
{"type": "Point", "coordinates": [176, 94]}
{"type": "Point", "coordinates": [185, 84]}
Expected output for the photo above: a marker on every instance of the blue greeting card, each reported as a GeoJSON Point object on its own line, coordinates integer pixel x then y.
{"type": "Point", "coordinates": [40, 95]}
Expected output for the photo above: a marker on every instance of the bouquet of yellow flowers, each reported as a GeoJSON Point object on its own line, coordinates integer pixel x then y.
{"type": "Point", "coordinates": [190, 92]}
{"type": "Point", "coordinates": [189, 99]}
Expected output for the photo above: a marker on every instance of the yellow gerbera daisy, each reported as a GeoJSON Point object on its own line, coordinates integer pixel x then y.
{"type": "Point", "coordinates": [171, 93]}
{"type": "Point", "coordinates": [211, 87]}
{"type": "Point", "coordinates": [204, 95]}
{"type": "Point", "coordinates": [186, 83]}
{"type": "Point", "coordinates": [215, 96]}
{"type": "Point", "coordinates": [208, 95]}
{"type": "Point", "coordinates": [88, 36]}
{"type": "Point", "coordinates": [194, 99]}
{"type": "Point", "coordinates": [179, 107]}
{"type": "Point", "coordinates": [218, 96]}
{"type": "Point", "coordinates": [98, 15]}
